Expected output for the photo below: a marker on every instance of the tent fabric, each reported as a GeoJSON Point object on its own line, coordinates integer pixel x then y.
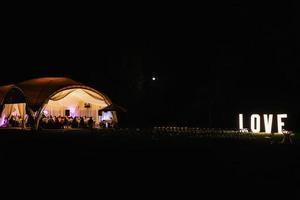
{"type": "Point", "coordinates": [13, 109]}
{"type": "Point", "coordinates": [39, 91]}
{"type": "Point", "coordinates": [7, 110]}
{"type": "Point", "coordinates": [53, 93]}
{"type": "Point", "coordinates": [4, 90]}
{"type": "Point", "coordinates": [81, 94]}
{"type": "Point", "coordinates": [61, 95]}
{"type": "Point", "coordinates": [74, 100]}
{"type": "Point", "coordinates": [94, 95]}
{"type": "Point", "coordinates": [18, 109]}
{"type": "Point", "coordinates": [22, 110]}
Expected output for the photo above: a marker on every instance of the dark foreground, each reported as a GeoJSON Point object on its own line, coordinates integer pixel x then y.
{"type": "Point", "coordinates": [119, 154]}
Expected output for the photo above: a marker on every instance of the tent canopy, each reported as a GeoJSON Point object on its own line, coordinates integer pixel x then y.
{"type": "Point", "coordinates": [57, 94]}
{"type": "Point", "coordinates": [80, 102]}
{"type": "Point", "coordinates": [12, 102]}
{"type": "Point", "coordinates": [73, 96]}
{"type": "Point", "coordinates": [39, 91]}
{"type": "Point", "coordinates": [3, 91]}
{"type": "Point", "coordinates": [11, 94]}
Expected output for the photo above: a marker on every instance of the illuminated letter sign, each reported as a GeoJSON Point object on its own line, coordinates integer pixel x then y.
{"type": "Point", "coordinates": [255, 123]}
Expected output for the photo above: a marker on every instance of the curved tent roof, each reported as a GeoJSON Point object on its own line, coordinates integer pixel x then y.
{"type": "Point", "coordinates": [5, 90]}
{"type": "Point", "coordinates": [38, 91]}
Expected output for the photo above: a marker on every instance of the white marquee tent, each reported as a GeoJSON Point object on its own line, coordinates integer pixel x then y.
{"type": "Point", "coordinates": [55, 96]}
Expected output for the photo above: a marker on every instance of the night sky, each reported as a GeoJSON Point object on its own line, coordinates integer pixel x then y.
{"type": "Point", "coordinates": [217, 58]}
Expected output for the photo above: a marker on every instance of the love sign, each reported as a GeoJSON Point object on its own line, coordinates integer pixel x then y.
{"type": "Point", "coordinates": [255, 124]}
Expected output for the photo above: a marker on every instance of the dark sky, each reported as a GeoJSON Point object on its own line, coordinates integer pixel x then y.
{"type": "Point", "coordinates": [220, 55]}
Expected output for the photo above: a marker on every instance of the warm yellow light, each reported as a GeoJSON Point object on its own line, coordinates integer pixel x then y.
{"type": "Point", "coordinates": [241, 124]}
{"type": "Point", "coordinates": [268, 123]}
{"type": "Point", "coordinates": [280, 124]}
{"type": "Point", "coordinates": [255, 123]}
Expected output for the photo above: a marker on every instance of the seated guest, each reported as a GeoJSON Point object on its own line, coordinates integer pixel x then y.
{"type": "Point", "coordinates": [102, 124]}
{"type": "Point", "coordinates": [81, 123]}
{"type": "Point", "coordinates": [44, 122]}
{"type": "Point", "coordinates": [74, 123]}
{"type": "Point", "coordinates": [51, 123]}
{"type": "Point", "coordinates": [90, 123]}
{"type": "Point", "coordinates": [63, 122]}
{"type": "Point", "coordinates": [11, 121]}
{"type": "Point", "coordinates": [56, 123]}
{"type": "Point", "coordinates": [30, 121]}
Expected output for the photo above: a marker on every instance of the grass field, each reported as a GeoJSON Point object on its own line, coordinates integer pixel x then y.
{"type": "Point", "coordinates": [210, 157]}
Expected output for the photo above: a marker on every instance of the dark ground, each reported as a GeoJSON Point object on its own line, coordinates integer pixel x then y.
{"type": "Point", "coordinates": [122, 156]}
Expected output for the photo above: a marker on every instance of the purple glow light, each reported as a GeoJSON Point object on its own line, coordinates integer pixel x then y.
{"type": "Point", "coordinates": [107, 116]}
{"type": "Point", "coordinates": [2, 120]}
{"type": "Point", "coordinates": [72, 112]}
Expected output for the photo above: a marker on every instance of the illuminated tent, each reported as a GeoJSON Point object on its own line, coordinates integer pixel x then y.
{"type": "Point", "coordinates": [12, 102]}
{"type": "Point", "coordinates": [62, 96]}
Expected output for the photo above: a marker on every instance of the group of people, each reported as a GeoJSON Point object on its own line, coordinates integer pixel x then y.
{"type": "Point", "coordinates": [53, 122]}
{"type": "Point", "coordinates": [13, 121]}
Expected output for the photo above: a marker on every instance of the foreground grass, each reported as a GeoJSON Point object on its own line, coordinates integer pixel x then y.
{"type": "Point", "coordinates": [208, 156]}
